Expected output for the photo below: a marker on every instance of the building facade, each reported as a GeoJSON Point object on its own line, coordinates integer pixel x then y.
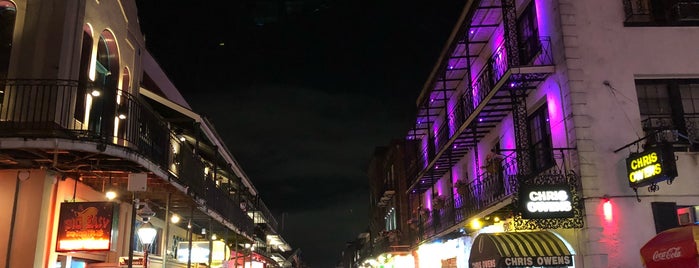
{"type": "Point", "coordinates": [557, 134]}
{"type": "Point", "coordinates": [85, 111]}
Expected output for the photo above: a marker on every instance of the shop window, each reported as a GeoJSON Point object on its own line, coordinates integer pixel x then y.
{"type": "Point", "coordinates": [669, 109]}
{"type": "Point", "coordinates": [661, 12]}
{"type": "Point", "coordinates": [541, 153]}
{"type": "Point", "coordinates": [528, 34]}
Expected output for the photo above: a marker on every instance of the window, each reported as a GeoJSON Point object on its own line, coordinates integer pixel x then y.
{"type": "Point", "coordinates": [541, 154]}
{"type": "Point", "coordinates": [528, 34]}
{"type": "Point", "coordinates": [661, 12]}
{"type": "Point", "coordinates": [8, 13]}
{"type": "Point", "coordinates": [669, 104]}
{"type": "Point", "coordinates": [85, 52]}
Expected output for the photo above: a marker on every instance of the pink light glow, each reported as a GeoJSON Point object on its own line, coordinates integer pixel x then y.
{"type": "Point", "coordinates": [607, 208]}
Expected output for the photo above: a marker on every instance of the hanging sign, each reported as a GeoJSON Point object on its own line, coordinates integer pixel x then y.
{"type": "Point", "coordinates": [86, 226]}
{"type": "Point", "coordinates": [651, 166]}
{"type": "Point", "coordinates": [545, 201]}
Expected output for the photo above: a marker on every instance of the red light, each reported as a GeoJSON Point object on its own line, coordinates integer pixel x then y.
{"type": "Point", "coordinates": [607, 208]}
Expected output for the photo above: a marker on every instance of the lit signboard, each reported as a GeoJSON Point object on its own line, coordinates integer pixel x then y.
{"type": "Point", "coordinates": [545, 201]}
{"type": "Point", "coordinates": [86, 226]}
{"type": "Point", "coordinates": [651, 166]}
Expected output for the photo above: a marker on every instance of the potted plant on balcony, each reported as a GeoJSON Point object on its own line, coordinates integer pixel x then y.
{"type": "Point", "coordinates": [493, 163]}
{"type": "Point", "coordinates": [438, 202]}
{"type": "Point", "coordinates": [413, 223]}
{"type": "Point", "coordinates": [461, 187]}
{"type": "Point", "coordinates": [393, 235]}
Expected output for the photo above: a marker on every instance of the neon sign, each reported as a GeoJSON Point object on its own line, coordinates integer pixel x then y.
{"type": "Point", "coordinates": [86, 226]}
{"type": "Point", "coordinates": [651, 166]}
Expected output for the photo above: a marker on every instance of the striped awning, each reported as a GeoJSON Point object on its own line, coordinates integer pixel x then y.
{"type": "Point", "coordinates": [517, 249]}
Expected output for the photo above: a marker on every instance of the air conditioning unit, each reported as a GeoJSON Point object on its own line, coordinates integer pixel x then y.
{"type": "Point", "coordinates": [687, 215]}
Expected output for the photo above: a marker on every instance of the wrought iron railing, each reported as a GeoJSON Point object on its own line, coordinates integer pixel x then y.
{"type": "Point", "coordinates": [442, 135]}
{"type": "Point", "coordinates": [52, 109]}
{"type": "Point", "coordinates": [662, 128]}
{"type": "Point", "coordinates": [225, 204]}
{"type": "Point", "coordinates": [46, 109]}
{"type": "Point", "coordinates": [271, 220]}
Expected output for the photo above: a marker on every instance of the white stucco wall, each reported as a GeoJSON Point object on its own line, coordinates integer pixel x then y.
{"type": "Point", "coordinates": [599, 48]}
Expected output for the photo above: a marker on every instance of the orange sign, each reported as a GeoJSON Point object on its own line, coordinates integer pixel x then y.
{"type": "Point", "coordinates": [86, 226]}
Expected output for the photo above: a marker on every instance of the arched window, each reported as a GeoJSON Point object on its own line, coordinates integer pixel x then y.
{"type": "Point", "coordinates": [104, 98]}
{"type": "Point", "coordinates": [84, 75]}
{"type": "Point", "coordinates": [8, 13]}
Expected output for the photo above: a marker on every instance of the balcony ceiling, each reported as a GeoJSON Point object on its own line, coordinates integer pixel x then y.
{"type": "Point", "coordinates": [102, 171]}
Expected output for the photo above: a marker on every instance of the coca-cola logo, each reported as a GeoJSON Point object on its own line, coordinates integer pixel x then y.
{"type": "Point", "coordinates": [669, 254]}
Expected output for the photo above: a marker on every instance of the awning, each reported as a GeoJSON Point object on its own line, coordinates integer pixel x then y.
{"type": "Point", "coordinates": [517, 249]}
{"type": "Point", "coordinates": [676, 247]}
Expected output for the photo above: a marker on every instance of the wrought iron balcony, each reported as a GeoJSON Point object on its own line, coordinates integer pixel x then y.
{"type": "Point", "coordinates": [682, 132]}
{"type": "Point", "coordinates": [494, 189]}
{"type": "Point", "coordinates": [48, 109]}
{"type": "Point", "coordinates": [478, 110]}
{"type": "Point", "coordinates": [105, 140]}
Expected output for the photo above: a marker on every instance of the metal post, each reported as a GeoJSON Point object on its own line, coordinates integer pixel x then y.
{"type": "Point", "coordinates": [167, 228]}
{"type": "Point", "coordinates": [145, 255]}
{"type": "Point", "coordinates": [211, 243]}
{"type": "Point", "coordinates": [189, 255]}
{"type": "Point", "coordinates": [132, 233]}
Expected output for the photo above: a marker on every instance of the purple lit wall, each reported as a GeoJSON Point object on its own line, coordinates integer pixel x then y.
{"type": "Point", "coordinates": [424, 144]}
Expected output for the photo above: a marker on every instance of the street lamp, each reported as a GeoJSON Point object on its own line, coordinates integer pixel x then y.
{"type": "Point", "coordinates": [146, 233]}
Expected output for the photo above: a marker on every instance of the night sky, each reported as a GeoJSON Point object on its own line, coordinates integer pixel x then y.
{"type": "Point", "coordinates": [302, 95]}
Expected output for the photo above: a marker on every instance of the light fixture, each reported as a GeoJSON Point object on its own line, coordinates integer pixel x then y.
{"type": "Point", "coordinates": [110, 194]}
{"type": "Point", "coordinates": [476, 224]}
{"type": "Point", "coordinates": [122, 116]}
{"type": "Point", "coordinates": [607, 209]}
{"type": "Point", "coordinates": [203, 231]}
{"type": "Point", "coordinates": [175, 218]}
{"type": "Point", "coordinates": [146, 234]}
{"type": "Point", "coordinates": [95, 92]}
{"type": "Point", "coordinates": [189, 224]}
{"type": "Point", "coordinates": [213, 237]}
{"type": "Point", "coordinates": [182, 138]}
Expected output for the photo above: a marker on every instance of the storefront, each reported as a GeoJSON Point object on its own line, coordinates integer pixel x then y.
{"type": "Point", "coordinates": [520, 249]}
{"type": "Point", "coordinates": [672, 248]}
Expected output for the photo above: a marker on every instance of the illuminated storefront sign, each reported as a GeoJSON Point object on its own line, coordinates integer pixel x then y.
{"type": "Point", "coordinates": [543, 202]}
{"type": "Point", "coordinates": [200, 251]}
{"type": "Point", "coordinates": [86, 226]}
{"type": "Point", "coordinates": [651, 166]}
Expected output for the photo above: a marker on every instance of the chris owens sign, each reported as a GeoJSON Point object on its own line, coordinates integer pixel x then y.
{"type": "Point", "coordinates": [86, 226]}
{"type": "Point", "coordinates": [545, 201]}
{"type": "Point", "coordinates": [651, 166]}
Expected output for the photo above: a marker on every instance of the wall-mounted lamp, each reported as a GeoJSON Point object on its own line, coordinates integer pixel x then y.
{"type": "Point", "coordinates": [175, 218]}
{"type": "Point", "coordinates": [476, 224]}
{"type": "Point", "coordinates": [214, 237]}
{"type": "Point", "coordinates": [95, 92]}
{"type": "Point", "coordinates": [607, 209]}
